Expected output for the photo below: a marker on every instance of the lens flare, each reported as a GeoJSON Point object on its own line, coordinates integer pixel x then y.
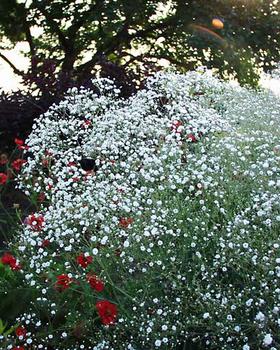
{"type": "Point", "coordinates": [210, 33]}
{"type": "Point", "coordinates": [217, 23]}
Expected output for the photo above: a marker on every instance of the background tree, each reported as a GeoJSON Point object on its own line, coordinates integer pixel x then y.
{"type": "Point", "coordinates": [80, 37]}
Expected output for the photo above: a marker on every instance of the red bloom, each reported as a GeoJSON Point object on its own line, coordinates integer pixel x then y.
{"type": "Point", "coordinates": [17, 164]}
{"type": "Point", "coordinates": [125, 222]}
{"type": "Point", "coordinates": [36, 222]}
{"type": "Point", "coordinates": [20, 331]}
{"type": "Point", "coordinates": [63, 282]}
{"type": "Point", "coordinates": [95, 282]}
{"type": "Point", "coordinates": [20, 144]}
{"type": "Point", "coordinates": [86, 123]}
{"type": "Point", "coordinates": [192, 137]}
{"type": "Point", "coordinates": [83, 260]}
{"type": "Point", "coordinates": [9, 259]}
{"type": "Point", "coordinates": [45, 243]}
{"type": "Point", "coordinates": [72, 164]}
{"type": "Point", "coordinates": [15, 266]}
{"type": "Point", "coordinates": [3, 178]}
{"type": "Point", "coordinates": [106, 311]}
{"type": "Point", "coordinates": [18, 348]}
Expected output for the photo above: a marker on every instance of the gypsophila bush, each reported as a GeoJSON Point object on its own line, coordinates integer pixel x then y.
{"type": "Point", "coordinates": [159, 219]}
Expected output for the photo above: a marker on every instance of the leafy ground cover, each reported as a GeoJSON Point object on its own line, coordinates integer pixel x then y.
{"type": "Point", "coordinates": [156, 223]}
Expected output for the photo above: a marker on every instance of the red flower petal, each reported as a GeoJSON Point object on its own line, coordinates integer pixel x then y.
{"type": "Point", "coordinates": [3, 178]}
{"type": "Point", "coordinates": [106, 311]}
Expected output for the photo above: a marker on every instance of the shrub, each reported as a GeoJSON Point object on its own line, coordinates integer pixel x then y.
{"type": "Point", "coordinates": [17, 113]}
{"type": "Point", "coordinates": [158, 219]}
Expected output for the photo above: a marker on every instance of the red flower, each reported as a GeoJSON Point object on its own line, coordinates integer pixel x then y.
{"type": "Point", "coordinates": [83, 260]}
{"type": "Point", "coordinates": [63, 282]}
{"type": "Point", "coordinates": [18, 348]}
{"type": "Point", "coordinates": [20, 144]}
{"type": "Point", "coordinates": [125, 222]}
{"type": "Point", "coordinates": [86, 123]}
{"type": "Point", "coordinates": [106, 311]}
{"type": "Point", "coordinates": [72, 164]}
{"type": "Point", "coordinates": [20, 331]}
{"type": "Point", "coordinates": [45, 243]}
{"type": "Point", "coordinates": [36, 222]}
{"type": "Point", "coordinates": [15, 266]}
{"type": "Point", "coordinates": [3, 178]}
{"type": "Point", "coordinates": [95, 282]}
{"type": "Point", "coordinates": [17, 164]}
{"type": "Point", "coordinates": [192, 137]}
{"type": "Point", "coordinates": [9, 259]}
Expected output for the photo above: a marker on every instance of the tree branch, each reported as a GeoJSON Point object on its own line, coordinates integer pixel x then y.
{"type": "Point", "coordinates": [172, 60]}
{"type": "Point", "coordinates": [73, 29]}
{"type": "Point", "coordinates": [29, 38]}
{"type": "Point", "coordinates": [15, 69]}
{"type": "Point", "coordinates": [123, 37]}
{"type": "Point", "coordinates": [64, 42]}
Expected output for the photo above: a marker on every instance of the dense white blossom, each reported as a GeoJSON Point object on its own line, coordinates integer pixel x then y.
{"type": "Point", "coordinates": [174, 193]}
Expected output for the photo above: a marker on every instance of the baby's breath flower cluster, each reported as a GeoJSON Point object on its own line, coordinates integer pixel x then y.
{"type": "Point", "coordinates": [158, 219]}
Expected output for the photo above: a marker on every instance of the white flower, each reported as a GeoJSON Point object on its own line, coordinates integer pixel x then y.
{"type": "Point", "coordinates": [267, 340]}
{"type": "Point", "coordinates": [158, 343]}
{"type": "Point", "coordinates": [260, 316]}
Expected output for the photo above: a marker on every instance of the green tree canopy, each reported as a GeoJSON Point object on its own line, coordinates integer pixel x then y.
{"type": "Point", "coordinates": [80, 35]}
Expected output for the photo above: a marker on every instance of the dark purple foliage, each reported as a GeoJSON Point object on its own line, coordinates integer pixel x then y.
{"type": "Point", "coordinates": [45, 87]}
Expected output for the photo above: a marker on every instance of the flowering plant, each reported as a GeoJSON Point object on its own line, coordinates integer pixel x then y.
{"type": "Point", "coordinates": [157, 222]}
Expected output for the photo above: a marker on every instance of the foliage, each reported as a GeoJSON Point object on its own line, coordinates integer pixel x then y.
{"type": "Point", "coordinates": [83, 37]}
{"type": "Point", "coordinates": [19, 109]}
{"type": "Point", "coordinates": [157, 220]}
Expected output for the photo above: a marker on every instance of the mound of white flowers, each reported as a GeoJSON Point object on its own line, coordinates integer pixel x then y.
{"type": "Point", "coordinates": [158, 219]}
